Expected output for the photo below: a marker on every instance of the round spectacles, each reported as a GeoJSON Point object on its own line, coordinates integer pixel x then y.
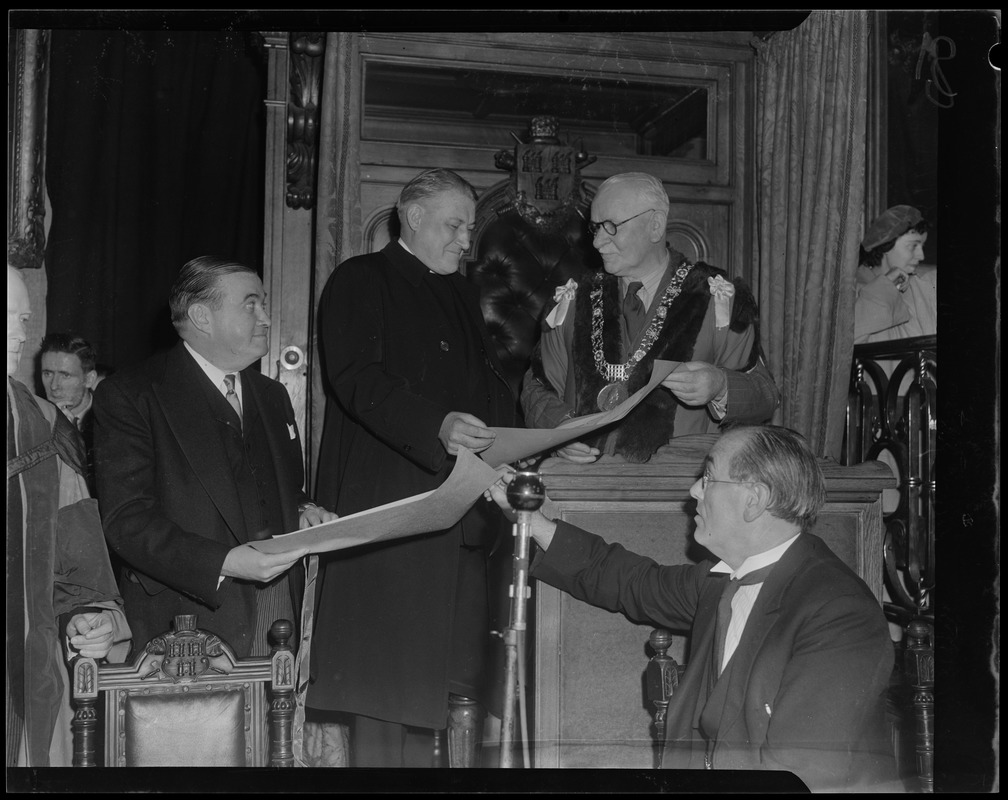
{"type": "Point", "coordinates": [706, 478]}
{"type": "Point", "coordinates": [609, 226]}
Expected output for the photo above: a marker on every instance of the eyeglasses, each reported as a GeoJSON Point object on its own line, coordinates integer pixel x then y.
{"type": "Point", "coordinates": [609, 226]}
{"type": "Point", "coordinates": [706, 478]}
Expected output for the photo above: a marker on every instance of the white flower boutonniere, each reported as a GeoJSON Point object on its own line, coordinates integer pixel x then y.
{"type": "Point", "coordinates": [722, 291]}
{"type": "Point", "coordinates": [562, 297]}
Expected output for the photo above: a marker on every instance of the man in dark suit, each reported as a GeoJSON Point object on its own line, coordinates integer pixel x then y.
{"type": "Point", "coordinates": [804, 658]}
{"type": "Point", "coordinates": [411, 375]}
{"type": "Point", "coordinates": [67, 368]}
{"type": "Point", "coordinates": [197, 456]}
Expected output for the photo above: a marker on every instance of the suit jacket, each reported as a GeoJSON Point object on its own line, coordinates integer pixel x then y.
{"type": "Point", "coordinates": [805, 689]}
{"type": "Point", "coordinates": [395, 365]}
{"type": "Point", "coordinates": [167, 495]}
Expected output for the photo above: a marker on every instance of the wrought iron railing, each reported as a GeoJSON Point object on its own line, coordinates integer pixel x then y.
{"type": "Point", "coordinates": [891, 417]}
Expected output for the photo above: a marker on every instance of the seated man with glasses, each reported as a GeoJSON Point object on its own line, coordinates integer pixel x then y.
{"type": "Point", "coordinates": [789, 651]}
{"type": "Point", "coordinates": [602, 337]}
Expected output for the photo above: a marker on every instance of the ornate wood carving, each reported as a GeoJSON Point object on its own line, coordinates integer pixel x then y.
{"type": "Point", "coordinates": [545, 174]}
{"type": "Point", "coordinates": [28, 69]}
{"type": "Point", "coordinates": [306, 62]}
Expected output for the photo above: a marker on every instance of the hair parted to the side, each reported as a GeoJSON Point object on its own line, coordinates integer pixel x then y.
{"type": "Point", "coordinates": [72, 344]}
{"type": "Point", "coordinates": [781, 459]}
{"type": "Point", "coordinates": [650, 188]}
{"type": "Point", "coordinates": [197, 283]}
{"type": "Point", "coordinates": [433, 182]}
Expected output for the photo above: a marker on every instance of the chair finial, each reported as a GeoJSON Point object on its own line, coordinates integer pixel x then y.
{"type": "Point", "coordinates": [185, 622]}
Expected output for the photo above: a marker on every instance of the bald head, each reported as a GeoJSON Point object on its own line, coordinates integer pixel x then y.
{"type": "Point", "coordinates": [18, 313]}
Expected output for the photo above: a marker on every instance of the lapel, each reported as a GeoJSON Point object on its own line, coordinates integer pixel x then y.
{"type": "Point", "coordinates": [762, 618]}
{"type": "Point", "coordinates": [194, 421]}
{"type": "Point", "coordinates": [274, 425]}
{"type": "Point", "coordinates": [688, 700]}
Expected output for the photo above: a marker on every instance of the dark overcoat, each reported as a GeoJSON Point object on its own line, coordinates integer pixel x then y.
{"type": "Point", "coordinates": [396, 362]}
{"type": "Point", "coordinates": [168, 497]}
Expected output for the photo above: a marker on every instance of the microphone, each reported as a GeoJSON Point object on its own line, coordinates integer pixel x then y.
{"type": "Point", "coordinates": [525, 495]}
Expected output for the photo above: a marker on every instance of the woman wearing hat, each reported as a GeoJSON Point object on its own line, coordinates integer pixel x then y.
{"type": "Point", "coordinates": [895, 298]}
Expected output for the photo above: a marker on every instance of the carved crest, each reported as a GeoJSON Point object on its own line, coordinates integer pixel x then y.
{"type": "Point", "coordinates": [546, 174]}
{"type": "Point", "coordinates": [187, 653]}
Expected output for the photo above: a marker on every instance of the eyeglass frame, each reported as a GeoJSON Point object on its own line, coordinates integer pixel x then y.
{"type": "Point", "coordinates": [705, 479]}
{"type": "Point", "coordinates": [593, 227]}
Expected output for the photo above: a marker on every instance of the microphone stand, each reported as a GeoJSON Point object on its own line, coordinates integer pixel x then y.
{"type": "Point", "coordinates": [525, 494]}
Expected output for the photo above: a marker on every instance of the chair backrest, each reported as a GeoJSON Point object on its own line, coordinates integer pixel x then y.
{"type": "Point", "coordinates": [186, 700]}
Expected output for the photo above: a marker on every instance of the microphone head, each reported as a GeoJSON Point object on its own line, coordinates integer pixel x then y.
{"type": "Point", "coordinates": [526, 491]}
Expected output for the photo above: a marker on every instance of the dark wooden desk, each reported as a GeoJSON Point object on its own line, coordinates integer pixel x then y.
{"type": "Point", "coordinates": [589, 708]}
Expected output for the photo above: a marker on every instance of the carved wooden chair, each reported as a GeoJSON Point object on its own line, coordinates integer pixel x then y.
{"type": "Point", "coordinates": [186, 700]}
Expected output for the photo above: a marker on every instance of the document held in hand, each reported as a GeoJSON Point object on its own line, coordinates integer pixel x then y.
{"type": "Point", "coordinates": [514, 444]}
{"type": "Point", "coordinates": [421, 513]}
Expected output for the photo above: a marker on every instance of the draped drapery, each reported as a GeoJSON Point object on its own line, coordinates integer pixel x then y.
{"type": "Point", "coordinates": [338, 236]}
{"type": "Point", "coordinates": [154, 156]}
{"type": "Point", "coordinates": [338, 232]}
{"type": "Point", "coordinates": [810, 159]}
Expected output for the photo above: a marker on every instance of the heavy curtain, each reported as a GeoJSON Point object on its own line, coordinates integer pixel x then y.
{"type": "Point", "coordinates": [810, 160]}
{"type": "Point", "coordinates": [338, 236]}
{"type": "Point", "coordinates": [154, 156]}
{"type": "Point", "coordinates": [338, 232]}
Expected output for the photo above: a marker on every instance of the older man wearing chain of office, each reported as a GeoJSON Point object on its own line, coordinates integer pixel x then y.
{"type": "Point", "coordinates": [601, 338]}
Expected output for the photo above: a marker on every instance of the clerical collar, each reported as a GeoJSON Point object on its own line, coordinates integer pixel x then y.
{"type": "Point", "coordinates": [405, 247]}
{"type": "Point", "coordinates": [758, 561]}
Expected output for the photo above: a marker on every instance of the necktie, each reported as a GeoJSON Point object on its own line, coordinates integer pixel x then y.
{"type": "Point", "coordinates": [724, 613]}
{"type": "Point", "coordinates": [633, 310]}
{"type": "Point", "coordinates": [232, 396]}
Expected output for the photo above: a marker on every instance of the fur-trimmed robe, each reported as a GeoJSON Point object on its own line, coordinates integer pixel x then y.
{"type": "Point", "coordinates": [66, 567]}
{"type": "Point", "coordinates": [752, 395]}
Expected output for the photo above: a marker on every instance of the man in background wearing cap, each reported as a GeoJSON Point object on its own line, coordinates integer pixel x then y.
{"type": "Point", "coordinates": [896, 299]}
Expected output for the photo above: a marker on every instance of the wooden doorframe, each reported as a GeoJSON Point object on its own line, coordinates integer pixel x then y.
{"type": "Point", "coordinates": [294, 75]}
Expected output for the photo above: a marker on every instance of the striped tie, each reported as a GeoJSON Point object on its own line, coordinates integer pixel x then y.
{"type": "Point", "coordinates": [232, 396]}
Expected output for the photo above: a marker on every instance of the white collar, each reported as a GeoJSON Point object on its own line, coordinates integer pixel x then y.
{"type": "Point", "coordinates": [84, 407]}
{"type": "Point", "coordinates": [758, 561]}
{"type": "Point", "coordinates": [214, 373]}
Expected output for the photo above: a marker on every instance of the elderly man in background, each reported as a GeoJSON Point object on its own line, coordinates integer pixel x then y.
{"type": "Point", "coordinates": [411, 375]}
{"type": "Point", "coordinates": [59, 579]}
{"type": "Point", "coordinates": [789, 654]}
{"type": "Point", "coordinates": [69, 375]}
{"type": "Point", "coordinates": [603, 336]}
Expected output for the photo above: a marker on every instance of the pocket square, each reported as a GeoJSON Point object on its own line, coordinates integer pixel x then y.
{"type": "Point", "coordinates": [290, 430]}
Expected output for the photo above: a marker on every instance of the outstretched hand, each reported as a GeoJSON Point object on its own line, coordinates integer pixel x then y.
{"type": "Point", "coordinates": [247, 563]}
{"type": "Point", "coordinates": [460, 428]}
{"type": "Point", "coordinates": [696, 383]}
{"type": "Point", "coordinates": [496, 492]}
{"type": "Point", "coordinates": [578, 452]}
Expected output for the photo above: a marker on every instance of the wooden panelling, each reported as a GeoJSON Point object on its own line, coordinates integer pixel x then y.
{"type": "Point", "coordinates": [707, 186]}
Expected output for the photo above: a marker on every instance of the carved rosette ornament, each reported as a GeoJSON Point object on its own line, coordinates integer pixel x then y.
{"type": "Point", "coordinates": [306, 62]}
{"type": "Point", "coordinates": [545, 174]}
{"type": "Point", "coordinates": [28, 84]}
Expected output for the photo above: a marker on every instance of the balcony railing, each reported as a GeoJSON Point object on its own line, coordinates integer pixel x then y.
{"type": "Point", "coordinates": [891, 417]}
